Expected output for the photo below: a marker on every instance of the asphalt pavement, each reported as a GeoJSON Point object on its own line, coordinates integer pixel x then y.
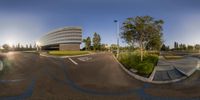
{"type": "Point", "coordinates": [91, 77]}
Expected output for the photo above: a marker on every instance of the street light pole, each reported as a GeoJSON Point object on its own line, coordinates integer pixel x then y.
{"type": "Point", "coordinates": [38, 46]}
{"type": "Point", "coordinates": [117, 34]}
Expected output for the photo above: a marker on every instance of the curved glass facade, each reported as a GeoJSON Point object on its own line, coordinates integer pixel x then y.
{"type": "Point", "coordinates": [70, 36]}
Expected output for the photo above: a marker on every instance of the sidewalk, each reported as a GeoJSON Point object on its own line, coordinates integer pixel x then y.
{"type": "Point", "coordinates": [169, 70]}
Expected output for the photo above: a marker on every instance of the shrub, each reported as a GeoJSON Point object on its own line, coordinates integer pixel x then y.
{"type": "Point", "coordinates": [124, 58]}
{"type": "Point", "coordinates": [132, 60]}
{"type": "Point", "coordinates": [151, 58]}
{"type": "Point", "coordinates": [145, 68]}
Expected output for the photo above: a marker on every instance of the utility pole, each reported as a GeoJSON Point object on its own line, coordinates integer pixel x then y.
{"type": "Point", "coordinates": [117, 35]}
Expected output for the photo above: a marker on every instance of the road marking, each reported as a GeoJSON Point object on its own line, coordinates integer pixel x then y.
{"type": "Point", "coordinates": [73, 61]}
{"type": "Point", "coordinates": [84, 58]}
{"type": "Point", "coordinates": [9, 81]}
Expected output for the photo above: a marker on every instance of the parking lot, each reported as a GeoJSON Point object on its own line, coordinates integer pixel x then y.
{"type": "Point", "coordinates": [96, 76]}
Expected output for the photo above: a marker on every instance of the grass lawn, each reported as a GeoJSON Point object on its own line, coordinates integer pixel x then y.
{"type": "Point", "coordinates": [68, 53]}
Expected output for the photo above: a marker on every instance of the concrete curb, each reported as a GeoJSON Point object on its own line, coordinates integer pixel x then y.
{"type": "Point", "coordinates": [150, 79]}
{"type": "Point", "coordinates": [152, 74]}
{"type": "Point", "coordinates": [132, 74]}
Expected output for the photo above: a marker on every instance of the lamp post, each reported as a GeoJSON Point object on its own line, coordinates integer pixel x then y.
{"type": "Point", "coordinates": [38, 46]}
{"type": "Point", "coordinates": [117, 34]}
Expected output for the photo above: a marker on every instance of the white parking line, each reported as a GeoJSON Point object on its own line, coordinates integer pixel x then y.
{"type": "Point", "coordinates": [73, 61]}
{"type": "Point", "coordinates": [84, 58]}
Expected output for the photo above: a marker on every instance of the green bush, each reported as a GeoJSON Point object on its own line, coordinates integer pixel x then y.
{"type": "Point", "coordinates": [151, 58]}
{"type": "Point", "coordinates": [132, 60]}
{"type": "Point", "coordinates": [124, 58]}
{"type": "Point", "coordinates": [145, 68]}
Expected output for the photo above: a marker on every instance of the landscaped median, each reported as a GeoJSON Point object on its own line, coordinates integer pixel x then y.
{"type": "Point", "coordinates": [132, 62]}
{"type": "Point", "coordinates": [4, 65]}
{"type": "Point", "coordinates": [68, 53]}
{"type": "Point", "coordinates": [173, 57]}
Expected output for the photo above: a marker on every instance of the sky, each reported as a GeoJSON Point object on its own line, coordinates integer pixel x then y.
{"type": "Point", "coordinates": [25, 21]}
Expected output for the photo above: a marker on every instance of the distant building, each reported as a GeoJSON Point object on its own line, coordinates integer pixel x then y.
{"type": "Point", "coordinates": [67, 38]}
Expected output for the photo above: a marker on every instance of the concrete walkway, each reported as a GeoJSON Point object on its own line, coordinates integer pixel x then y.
{"type": "Point", "coordinates": [174, 70]}
{"type": "Point", "coordinates": [187, 66]}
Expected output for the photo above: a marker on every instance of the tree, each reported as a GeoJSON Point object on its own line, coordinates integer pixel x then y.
{"type": "Point", "coordinates": [164, 48]}
{"type": "Point", "coordinates": [27, 46]}
{"type": "Point", "coordinates": [103, 47]}
{"type": "Point", "coordinates": [176, 45]}
{"type": "Point", "coordinates": [142, 30]}
{"type": "Point", "coordinates": [21, 47]}
{"type": "Point", "coordinates": [18, 46]}
{"type": "Point", "coordinates": [87, 42]}
{"type": "Point", "coordinates": [197, 47]}
{"type": "Point", "coordinates": [113, 46]}
{"type": "Point", "coordinates": [190, 47]}
{"type": "Point", "coordinates": [181, 46]}
{"type": "Point", "coordinates": [184, 47]}
{"type": "Point", "coordinates": [13, 47]}
{"type": "Point", "coordinates": [35, 46]}
{"type": "Point", "coordinates": [6, 47]}
{"type": "Point", "coordinates": [30, 47]}
{"type": "Point", "coordinates": [155, 42]}
{"type": "Point", "coordinates": [96, 41]}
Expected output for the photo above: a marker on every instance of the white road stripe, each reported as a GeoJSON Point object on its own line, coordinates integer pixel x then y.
{"type": "Point", "coordinates": [73, 61]}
